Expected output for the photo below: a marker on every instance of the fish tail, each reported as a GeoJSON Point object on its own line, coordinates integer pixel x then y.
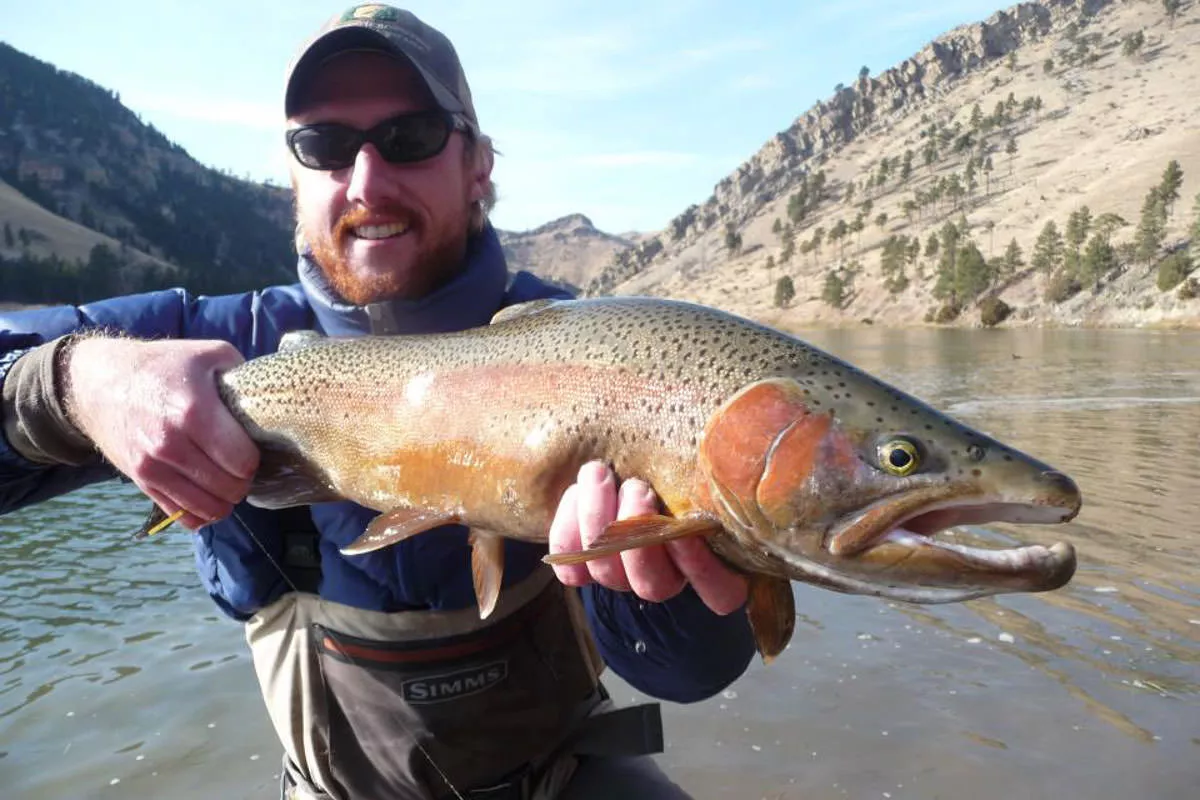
{"type": "Point", "coordinates": [158, 520]}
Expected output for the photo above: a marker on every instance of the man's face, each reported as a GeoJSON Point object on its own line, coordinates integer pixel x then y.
{"type": "Point", "coordinates": [378, 230]}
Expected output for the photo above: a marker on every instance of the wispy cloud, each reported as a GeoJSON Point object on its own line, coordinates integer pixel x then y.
{"type": "Point", "coordinates": [257, 116]}
{"type": "Point", "coordinates": [718, 50]}
{"type": "Point", "coordinates": [753, 82]}
{"type": "Point", "coordinates": [640, 158]}
{"type": "Point", "coordinates": [603, 62]}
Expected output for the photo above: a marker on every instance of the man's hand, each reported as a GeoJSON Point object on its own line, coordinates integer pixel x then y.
{"type": "Point", "coordinates": [655, 573]}
{"type": "Point", "coordinates": [153, 411]}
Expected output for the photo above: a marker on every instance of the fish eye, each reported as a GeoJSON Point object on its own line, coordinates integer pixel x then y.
{"type": "Point", "coordinates": [899, 457]}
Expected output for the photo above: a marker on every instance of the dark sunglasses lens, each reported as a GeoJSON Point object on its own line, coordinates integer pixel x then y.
{"type": "Point", "coordinates": [326, 147]}
{"type": "Point", "coordinates": [413, 138]}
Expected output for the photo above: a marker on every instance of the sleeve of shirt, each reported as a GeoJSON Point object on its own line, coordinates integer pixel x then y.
{"type": "Point", "coordinates": [678, 650]}
{"type": "Point", "coordinates": [253, 322]}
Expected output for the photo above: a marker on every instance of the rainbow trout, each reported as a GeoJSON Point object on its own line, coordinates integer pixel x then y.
{"type": "Point", "coordinates": [792, 464]}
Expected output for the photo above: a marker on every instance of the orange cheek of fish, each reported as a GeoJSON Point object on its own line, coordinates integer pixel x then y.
{"type": "Point", "coordinates": [738, 438]}
{"type": "Point", "coordinates": [792, 461]}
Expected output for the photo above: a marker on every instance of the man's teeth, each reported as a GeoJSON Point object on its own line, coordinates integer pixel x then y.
{"type": "Point", "coordinates": [380, 231]}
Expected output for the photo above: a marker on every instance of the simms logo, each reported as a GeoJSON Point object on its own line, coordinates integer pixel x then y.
{"type": "Point", "coordinates": [453, 685]}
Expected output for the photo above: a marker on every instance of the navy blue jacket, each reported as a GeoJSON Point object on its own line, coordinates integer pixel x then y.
{"type": "Point", "coordinates": [677, 650]}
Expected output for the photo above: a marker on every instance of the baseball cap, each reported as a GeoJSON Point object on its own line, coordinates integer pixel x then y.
{"type": "Point", "coordinates": [383, 28]}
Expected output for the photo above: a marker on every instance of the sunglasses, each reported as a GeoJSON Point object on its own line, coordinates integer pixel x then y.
{"type": "Point", "coordinates": [403, 139]}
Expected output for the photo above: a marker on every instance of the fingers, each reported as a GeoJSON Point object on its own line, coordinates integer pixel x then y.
{"type": "Point", "coordinates": [597, 500]}
{"type": "Point", "coordinates": [721, 589]}
{"type": "Point", "coordinates": [221, 437]}
{"type": "Point", "coordinates": [564, 538]}
{"type": "Point", "coordinates": [153, 410]}
{"type": "Point", "coordinates": [650, 572]}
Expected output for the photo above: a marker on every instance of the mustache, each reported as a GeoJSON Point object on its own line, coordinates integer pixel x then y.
{"type": "Point", "coordinates": [360, 215]}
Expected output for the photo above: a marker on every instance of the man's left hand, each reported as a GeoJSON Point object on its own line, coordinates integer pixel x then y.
{"type": "Point", "coordinates": [655, 572]}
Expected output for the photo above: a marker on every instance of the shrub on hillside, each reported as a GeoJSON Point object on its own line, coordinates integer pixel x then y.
{"type": "Point", "coordinates": [993, 310]}
{"type": "Point", "coordinates": [1062, 287]}
{"type": "Point", "coordinates": [947, 313]}
{"type": "Point", "coordinates": [1172, 270]}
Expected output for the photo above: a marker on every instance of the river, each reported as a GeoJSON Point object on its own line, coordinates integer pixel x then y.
{"type": "Point", "coordinates": [119, 678]}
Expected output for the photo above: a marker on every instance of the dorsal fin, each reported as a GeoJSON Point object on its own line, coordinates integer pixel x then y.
{"type": "Point", "coordinates": [298, 340]}
{"type": "Point", "coordinates": [521, 309]}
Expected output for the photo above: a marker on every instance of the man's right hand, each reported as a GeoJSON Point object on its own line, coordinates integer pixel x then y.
{"type": "Point", "coordinates": [153, 411]}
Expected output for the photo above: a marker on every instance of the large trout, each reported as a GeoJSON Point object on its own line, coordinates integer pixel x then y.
{"type": "Point", "coordinates": [793, 464]}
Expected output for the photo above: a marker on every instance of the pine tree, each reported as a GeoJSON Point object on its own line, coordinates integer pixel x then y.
{"type": "Point", "coordinates": [1195, 230]}
{"type": "Point", "coordinates": [931, 246]}
{"type": "Point", "coordinates": [1168, 189]}
{"type": "Point", "coordinates": [976, 117]}
{"type": "Point", "coordinates": [1078, 225]}
{"type": "Point", "coordinates": [947, 269]}
{"type": "Point", "coordinates": [1013, 259]}
{"type": "Point", "coordinates": [1108, 223]}
{"type": "Point", "coordinates": [785, 290]}
{"type": "Point", "coordinates": [733, 241]}
{"type": "Point", "coordinates": [1048, 250]}
{"type": "Point", "coordinates": [834, 290]}
{"type": "Point", "coordinates": [972, 276]}
{"type": "Point", "coordinates": [789, 244]}
{"type": "Point", "coordinates": [1011, 149]}
{"type": "Point", "coordinates": [1098, 260]}
{"type": "Point", "coordinates": [9, 240]}
{"type": "Point", "coordinates": [1152, 227]}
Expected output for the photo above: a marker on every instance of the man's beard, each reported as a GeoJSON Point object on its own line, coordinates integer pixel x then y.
{"type": "Point", "coordinates": [439, 259]}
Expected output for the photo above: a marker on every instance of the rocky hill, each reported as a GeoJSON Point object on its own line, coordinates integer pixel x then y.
{"type": "Point", "coordinates": [570, 251]}
{"type": "Point", "coordinates": [1075, 112]}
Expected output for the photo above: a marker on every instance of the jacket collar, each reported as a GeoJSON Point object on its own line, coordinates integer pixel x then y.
{"type": "Point", "coordinates": [467, 301]}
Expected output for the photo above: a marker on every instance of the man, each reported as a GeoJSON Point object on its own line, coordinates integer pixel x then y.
{"type": "Point", "coordinates": [378, 675]}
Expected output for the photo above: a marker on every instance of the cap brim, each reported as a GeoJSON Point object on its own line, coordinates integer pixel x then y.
{"type": "Point", "coordinates": [341, 40]}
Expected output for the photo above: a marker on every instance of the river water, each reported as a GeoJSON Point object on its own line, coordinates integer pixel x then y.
{"type": "Point", "coordinates": [118, 677]}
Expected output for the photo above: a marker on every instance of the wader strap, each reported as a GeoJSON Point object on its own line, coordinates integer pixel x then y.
{"type": "Point", "coordinates": [606, 733]}
{"type": "Point", "coordinates": [301, 562]}
{"type": "Point", "coordinates": [630, 731]}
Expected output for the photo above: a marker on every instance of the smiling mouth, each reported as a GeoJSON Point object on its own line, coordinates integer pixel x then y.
{"type": "Point", "coordinates": [376, 232]}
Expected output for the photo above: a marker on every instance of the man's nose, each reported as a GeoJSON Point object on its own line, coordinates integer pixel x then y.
{"type": "Point", "coordinates": [370, 180]}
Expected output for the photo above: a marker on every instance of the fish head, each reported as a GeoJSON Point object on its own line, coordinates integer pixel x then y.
{"type": "Point", "coordinates": [851, 493]}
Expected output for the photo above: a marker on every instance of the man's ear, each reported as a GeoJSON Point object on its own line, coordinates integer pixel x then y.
{"type": "Point", "coordinates": [482, 160]}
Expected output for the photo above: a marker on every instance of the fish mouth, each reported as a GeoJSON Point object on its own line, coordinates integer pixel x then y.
{"type": "Point", "coordinates": [891, 548]}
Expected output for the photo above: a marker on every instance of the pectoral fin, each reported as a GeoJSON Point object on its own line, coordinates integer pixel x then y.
{"type": "Point", "coordinates": [772, 612]}
{"type": "Point", "coordinates": [298, 340]}
{"type": "Point", "coordinates": [521, 309]}
{"type": "Point", "coordinates": [396, 526]}
{"type": "Point", "coordinates": [627, 534]}
{"type": "Point", "coordinates": [487, 569]}
{"type": "Point", "coordinates": [286, 478]}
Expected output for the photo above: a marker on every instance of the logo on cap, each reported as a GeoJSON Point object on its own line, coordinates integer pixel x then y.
{"type": "Point", "coordinates": [371, 11]}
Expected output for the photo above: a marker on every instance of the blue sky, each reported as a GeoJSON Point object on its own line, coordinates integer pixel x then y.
{"type": "Point", "coordinates": [624, 111]}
